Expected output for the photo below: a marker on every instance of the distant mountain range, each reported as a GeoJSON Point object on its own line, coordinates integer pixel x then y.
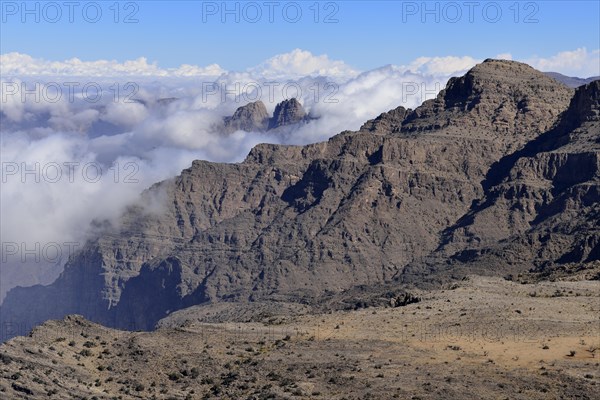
{"type": "Point", "coordinates": [499, 175]}
{"type": "Point", "coordinates": [571, 81]}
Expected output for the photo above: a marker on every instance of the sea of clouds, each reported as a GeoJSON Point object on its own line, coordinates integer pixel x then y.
{"type": "Point", "coordinates": [81, 140]}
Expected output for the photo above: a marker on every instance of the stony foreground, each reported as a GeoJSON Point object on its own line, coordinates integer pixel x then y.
{"type": "Point", "coordinates": [484, 338]}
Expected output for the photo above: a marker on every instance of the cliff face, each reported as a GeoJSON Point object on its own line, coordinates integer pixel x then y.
{"type": "Point", "coordinates": [287, 112]}
{"type": "Point", "coordinates": [251, 117]}
{"type": "Point", "coordinates": [291, 223]}
{"type": "Point", "coordinates": [541, 205]}
{"type": "Point", "coordinates": [506, 101]}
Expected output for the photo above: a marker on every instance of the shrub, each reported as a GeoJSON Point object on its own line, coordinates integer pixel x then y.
{"type": "Point", "coordinates": [174, 376]}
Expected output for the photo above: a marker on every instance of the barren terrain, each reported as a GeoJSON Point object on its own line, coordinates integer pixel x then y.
{"type": "Point", "coordinates": [483, 338]}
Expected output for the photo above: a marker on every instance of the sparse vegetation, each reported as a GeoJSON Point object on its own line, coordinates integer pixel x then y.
{"type": "Point", "coordinates": [85, 353]}
{"type": "Point", "coordinates": [336, 357]}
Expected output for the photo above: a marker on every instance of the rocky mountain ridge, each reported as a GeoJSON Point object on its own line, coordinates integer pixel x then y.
{"type": "Point", "coordinates": [455, 179]}
{"type": "Point", "coordinates": [544, 201]}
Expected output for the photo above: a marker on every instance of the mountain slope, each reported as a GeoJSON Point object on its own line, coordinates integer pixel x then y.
{"type": "Point", "coordinates": [251, 117]}
{"type": "Point", "coordinates": [541, 205]}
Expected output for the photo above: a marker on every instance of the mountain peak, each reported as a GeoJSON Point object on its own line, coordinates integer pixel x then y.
{"type": "Point", "coordinates": [496, 63]}
{"type": "Point", "coordinates": [287, 112]}
{"type": "Point", "coordinates": [497, 99]}
{"type": "Point", "coordinates": [253, 117]}
{"type": "Point", "coordinates": [579, 127]}
{"type": "Point", "coordinates": [250, 117]}
{"type": "Point", "coordinates": [586, 102]}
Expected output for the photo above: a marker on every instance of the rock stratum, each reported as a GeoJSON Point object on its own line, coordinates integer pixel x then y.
{"type": "Point", "coordinates": [498, 175]}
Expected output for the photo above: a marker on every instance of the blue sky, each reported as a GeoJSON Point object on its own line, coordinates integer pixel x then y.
{"type": "Point", "coordinates": [363, 34]}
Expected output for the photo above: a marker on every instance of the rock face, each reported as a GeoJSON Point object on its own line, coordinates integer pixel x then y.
{"type": "Point", "coordinates": [491, 164]}
{"type": "Point", "coordinates": [389, 122]}
{"type": "Point", "coordinates": [288, 112]}
{"type": "Point", "coordinates": [506, 101]}
{"type": "Point", "coordinates": [541, 205]}
{"type": "Point", "coordinates": [253, 117]}
{"type": "Point", "coordinates": [250, 118]}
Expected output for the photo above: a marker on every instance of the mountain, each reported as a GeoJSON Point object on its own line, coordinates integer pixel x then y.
{"type": "Point", "coordinates": [250, 117]}
{"type": "Point", "coordinates": [253, 117]}
{"type": "Point", "coordinates": [288, 112]}
{"type": "Point", "coordinates": [571, 81]}
{"type": "Point", "coordinates": [414, 195]}
{"type": "Point", "coordinates": [507, 102]}
{"type": "Point", "coordinates": [541, 204]}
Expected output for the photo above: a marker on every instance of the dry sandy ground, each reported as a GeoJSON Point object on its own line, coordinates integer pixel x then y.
{"type": "Point", "coordinates": [486, 338]}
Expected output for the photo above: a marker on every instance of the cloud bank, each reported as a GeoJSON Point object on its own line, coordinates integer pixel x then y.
{"type": "Point", "coordinates": [23, 64]}
{"type": "Point", "coordinates": [580, 62]}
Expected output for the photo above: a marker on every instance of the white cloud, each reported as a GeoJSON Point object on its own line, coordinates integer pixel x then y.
{"type": "Point", "coordinates": [580, 62]}
{"type": "Point", "coordinates": [194, 70]}
{"type": "Point", "coordinates": [504, 56]}
{"type": "Point", "coordinates": [293, 65]}
{"type": "Point", "coordinates": [74, 121]}
{"type": "Point", "coordinates": [442, 65]}
{"type": "Point", "coordinates": [24, 65]}
{"type": "Point", "coordinates": [299, 63]}
{"type": "Point", "coordinates": [127, 114]}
